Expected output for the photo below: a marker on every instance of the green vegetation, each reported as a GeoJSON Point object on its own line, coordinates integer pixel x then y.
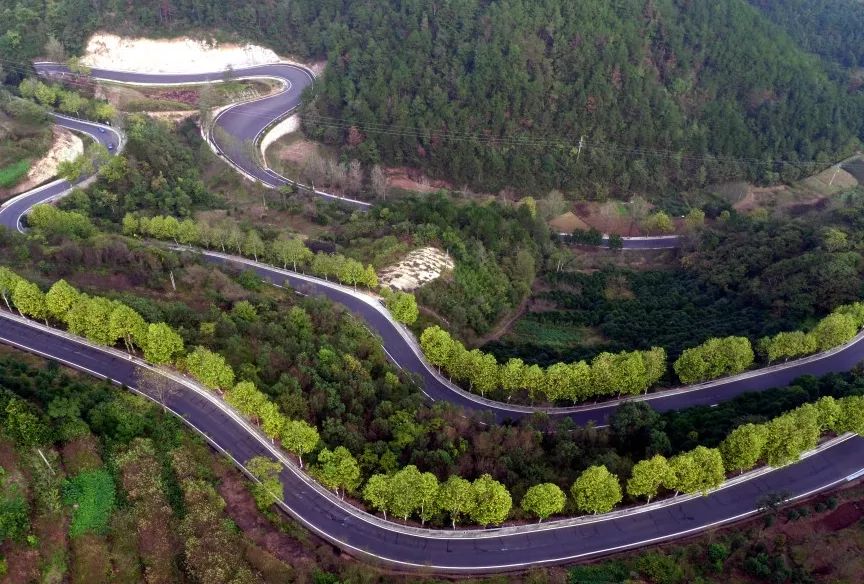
{"type": "Point", "coordinates": [505, 98]}
{"type": "Point", "coordinates": [69, 102]}
{"type": "Point", "coordinates": [13, 174]}
{"type": "Point", "coordinates": [91, 494]}
{"type": "Point", "coordinates": [830, 28]}
{"type": "Point", "coordinates": [714, 358]}
{"type": "Point", "coordinates": [628, 372]}
{"type": "Point", "coordinates": [152, 508]}
{"type": "Point", "coordinates": [25, 136]}
{"type": "Point", "coordinates": [615, 309]}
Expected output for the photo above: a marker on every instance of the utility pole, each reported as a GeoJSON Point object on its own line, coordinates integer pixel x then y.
{"type": "Point", "coordinates": [836, 170]}
{"type": "Point", "coordinates": [579, 150]}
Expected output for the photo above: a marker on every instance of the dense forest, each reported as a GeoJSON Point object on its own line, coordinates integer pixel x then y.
{"type": "Point", "coordinates": [491, 95]}
{"type": "Point", "coordinates": [833, 29]}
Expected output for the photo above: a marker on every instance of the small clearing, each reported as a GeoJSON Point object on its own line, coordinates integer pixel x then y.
{"type": "Point", "coordinates": [177, 55]}
{"type": "Point", "coordinates": [419, 267]}
{"type": "Point", "coordinates": [610, 217]}
{"type": "Point", "coordinates": [412, 179]}
{"type": "Point", "coordinates": [66, 146]}
{"type": "Point", "coordinates": [568, 223]}
{"type": "Point", "coordinates": [809, 193]}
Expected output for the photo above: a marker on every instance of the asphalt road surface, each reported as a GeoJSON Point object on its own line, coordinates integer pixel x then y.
{"type": "Point", "coordinates": [405, 355]}
{"type": "Point", "coordinates": [440, 551]}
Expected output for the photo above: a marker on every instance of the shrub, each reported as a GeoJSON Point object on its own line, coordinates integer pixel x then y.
{"type": "Point", "coordinates": [91, 494]}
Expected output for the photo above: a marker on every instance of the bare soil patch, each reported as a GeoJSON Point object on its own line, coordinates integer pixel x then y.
{"type": "Point", "coordinates": [419, 267]}
{"type": "Point", "coordinates": [412, 179]}
{"type": "Point", "coordinates": [568, 223]}
{"type": "Point", "coordinates": [65, 147]}
{"type": "Point", "coordinates": [844, 516]}
{"type": "Point", "coordinates": [177, 55]}
{"type": "Point", "coordinates": [612, 217]}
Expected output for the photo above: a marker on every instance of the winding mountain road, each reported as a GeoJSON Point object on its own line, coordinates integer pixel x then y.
{"type": "Point", "coordinates": [401, 547]}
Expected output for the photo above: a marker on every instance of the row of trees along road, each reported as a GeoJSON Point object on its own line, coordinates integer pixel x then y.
{"type": "Point", "coordinates": [287, 252]}
{"type": "Point", "coordinates": [629, 372]}
{"type": "Point", "coordinates": [408, 491]}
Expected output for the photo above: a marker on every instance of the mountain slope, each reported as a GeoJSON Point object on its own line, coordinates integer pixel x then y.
{"type": "Point", "coordinates": [497, 94]}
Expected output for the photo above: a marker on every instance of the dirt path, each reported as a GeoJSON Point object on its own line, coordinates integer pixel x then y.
{"type": "Point", "coordinates": [502, 328]}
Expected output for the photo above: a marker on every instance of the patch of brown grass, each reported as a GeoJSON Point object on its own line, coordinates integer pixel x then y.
{"type": "Point", "coordinates": [81, 454]}
{"type": "Point", "coordinates": [90, 560]}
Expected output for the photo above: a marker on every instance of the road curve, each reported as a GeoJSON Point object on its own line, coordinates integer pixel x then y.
{"type": "Point", "coordinates": [15, 208]}
{"type": "Point", "coordinates": [244, 124]}
{"type": "Point", "coordinates": [441, 551]}
{"type": "Point", "coordinates": [402, 349]}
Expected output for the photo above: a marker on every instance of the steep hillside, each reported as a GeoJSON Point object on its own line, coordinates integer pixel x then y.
{"type": "Point", "coordinates": [661, 93]}
{"type": "Point", "coordinates": [833, 29]}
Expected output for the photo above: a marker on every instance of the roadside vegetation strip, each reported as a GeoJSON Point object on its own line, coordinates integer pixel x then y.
{"type": "Point", "coordinates": [438, 534]}
{"type": "Point", "coordinates": [107, 322]}
{"type": "Point", "coordinates": [13, 174]}
{"type": "Point", "coordinates": [628, 373]}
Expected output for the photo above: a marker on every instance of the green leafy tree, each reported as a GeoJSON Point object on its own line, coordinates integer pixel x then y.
{"type": "Point", "coordinates": [456, 497]}
{"type": "Point", "coordinates": [790, 435]}
{"type": "Point", "coordinates": [292, 251]}
{"type": "Point", "coordinates": [8, 282]}
{"type": "Point", "coordinates": [694, 219]}
{"type": "Point", "coordinates": [379, 493]}
{"type": "Point", "coordinates": [268, 489]}
{"type": "Point", "coordinates": [163, 344]}
{"type": "Point", "coordinates": [648, 476]}
{"type": "Point", "coordinates": [30, 300]}
{"type": "Point", "coordinates": [698, 470]}
{"type": "Point", "coordinates": [188, 232]}
{"type": "Point", "coordinates": [325, 265]}
{"type": "Point", "coordinates": [828, 412]}
{"type": "Point", "coordinates": [125, 323]}
{"type": "Point", "coordinates": [543, 500]}
{"type": "Point", "coordinates": [436, 344]}
{"type": "Point", "coordinates": [254, 244]}
{"type": "Point", "coordinates": [742, 448]}
{"type": "Point", "coordinates": [834, 330]}
{"type": "Point", "coordinates": [338, 470]}
{"type": "Point", "coordinates": [855, 310]}
{"type": "Point", "coordinates": [512, 376]}
{"type": "Point", "coordinates": [604, 375]}
{"type": "Point", "coordinates": [403, 307]}
{"type": "Point", "coordinates": [247, 399]}
{"type": "Point", "coordinates": [484, 376]}
{"type": "Point", "coordinates": [851, 418]}
{"type": "Point", "coordinates": [714, 358]}
{"type": "Point", "coordinates": [535, 381]}
{"type": "Point", "coordinates": [60, 298]}
{"type": "Point", "coordinates": [655, 365]}
{"type": "Point", "coordinates": [351, 272]}
{"type": "Point", "coordinates": [210, 368]}
{"type": "Point", "coordinates": [427, 488]}
{"type": "Point", "coordinates": [596, 490]}
{"type": "Point", "coordinates": [788, 345]}
{"type": "Point", "coordinates": [659, 222]}
{"type": "Point", "coordinates": [272, 420]}
{"type": "Point", "coordinates": [299, 438]}
{"type": "Point", "coordinates": [406, 496]}
{"type": "Point", "coordinates": [492, 501]}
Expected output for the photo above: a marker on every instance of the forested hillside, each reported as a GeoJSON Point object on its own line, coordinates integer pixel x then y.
{"type": "Point", "coordinates": [833, 29]}
{"type": "Point", "coordinates": [499, 94]}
